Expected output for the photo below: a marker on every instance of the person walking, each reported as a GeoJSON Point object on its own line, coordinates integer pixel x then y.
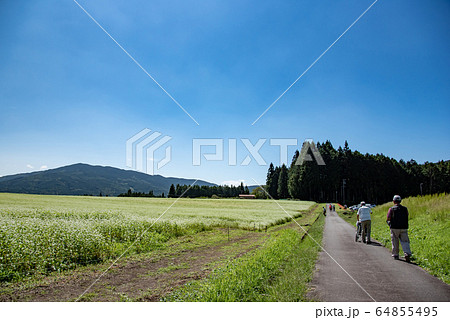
{"type": "Point", "coordinates": [324, 211]}
{"type": "Point", "coordinates": [397, 219]}
{"type": "Point", "coordinates": [363, 215]}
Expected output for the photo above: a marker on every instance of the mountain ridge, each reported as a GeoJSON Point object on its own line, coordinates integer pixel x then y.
{"type": "Point", "coordinates": [86, 179]}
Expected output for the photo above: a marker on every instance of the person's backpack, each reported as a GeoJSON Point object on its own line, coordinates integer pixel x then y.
{"type": "Point", "coordinates": [399, 217]}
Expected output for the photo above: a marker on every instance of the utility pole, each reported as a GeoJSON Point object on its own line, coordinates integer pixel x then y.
{"type": "Point", "coordinates": [343, 189]}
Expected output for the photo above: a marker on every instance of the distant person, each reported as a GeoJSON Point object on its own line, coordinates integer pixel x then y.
{"type": "Point", "coordinates": [397, 219]}
{"type": "Point", "coordinates": [324, 211]}
{"type": "Point", "coordinates": [363, 215]}
{"type": "Point", "coordinates": [334, 208]}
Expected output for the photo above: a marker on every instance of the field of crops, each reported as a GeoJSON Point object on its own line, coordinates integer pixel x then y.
{"type": "Point", "coordinates": [41, 234]}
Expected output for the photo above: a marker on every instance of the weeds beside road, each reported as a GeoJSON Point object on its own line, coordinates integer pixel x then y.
{"type": "Point", "coordinates": [279, 271]}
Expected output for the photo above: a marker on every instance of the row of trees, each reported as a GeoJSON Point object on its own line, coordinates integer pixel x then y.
{"type": "Point", "coordinates": [207, 191]}
{"type": "Point", "coordinates": [131, 193]}
{"type": "Point", "coordinates": [349, 177]}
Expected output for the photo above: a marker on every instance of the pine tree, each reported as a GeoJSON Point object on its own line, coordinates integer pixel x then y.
{"type": "Point", "coordinates": [172, 192]}
{"type": "Point", "coordinates": [270, 173]}
{"type": "Point", "coordinates": [272, 181]}
{"type": "Point", "coordinates": [294, 177]}
{"type": "Point", "coordinates": [282, 190]}
{"type": "Point", "coordinates": [346, 148]}
{"type": "Point", "coordinates": [273, 187]}
{"type": "Point", "coordinates": [241, 188]}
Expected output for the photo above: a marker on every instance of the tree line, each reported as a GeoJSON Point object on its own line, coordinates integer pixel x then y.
{"type": "Point", "coordinates": [131, 193]}
{"type": "Point", "coordinates": [197, 191]}
{"type": "Point", "coordinates": [349, 177]}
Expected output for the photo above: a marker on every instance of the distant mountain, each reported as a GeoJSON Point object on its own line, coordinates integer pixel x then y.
{"type": "Point", "coordinates": [80, 179]}
{"type": "Point", "coordinates": [251, 188]}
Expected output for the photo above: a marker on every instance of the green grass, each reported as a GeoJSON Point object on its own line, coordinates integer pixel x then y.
{"type": "Point", "coordinates": [429, 225]}
{"type": "Point", "coordinates": [173, 267]}
{"type": "Point", "coordinates": [298, 271]}
{"type": "Point", "coordinates": [43, 234]}
{"type": "Point", "coordinates": [279, 271]}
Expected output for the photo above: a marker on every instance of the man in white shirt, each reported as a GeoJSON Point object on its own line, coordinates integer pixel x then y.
{"type": "Point", "coordinates": [363, 215]}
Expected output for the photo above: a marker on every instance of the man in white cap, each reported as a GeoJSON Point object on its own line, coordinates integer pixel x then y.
{"type": "Point", "coordinates": [397, 219]}
{"type": "Point", "coordinates": [363, 215]}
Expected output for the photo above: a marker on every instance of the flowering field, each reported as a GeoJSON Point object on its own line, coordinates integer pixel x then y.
{"type": "Point", "coordinates": [42, 234]}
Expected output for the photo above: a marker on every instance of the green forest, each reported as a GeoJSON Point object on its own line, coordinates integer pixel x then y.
{"type": "Point", "coordinates": [197, 191]}
{"type": "Point", "coordinates": [349, 177]}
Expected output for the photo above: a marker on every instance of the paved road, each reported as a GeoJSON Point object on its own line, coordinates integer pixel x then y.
{"type": "Point", "coordinates": [382, 277]}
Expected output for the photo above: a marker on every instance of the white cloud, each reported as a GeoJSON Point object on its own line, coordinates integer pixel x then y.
{"type": "Point", "coordinates": [29, 166]}
{"type": "Point", "coordinates": [233, 182]}
{"type": "Point", "coordinates": [43, 167]}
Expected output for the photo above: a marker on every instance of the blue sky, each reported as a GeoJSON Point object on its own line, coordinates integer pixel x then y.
{"type": "Point", "coordinates": [69, 94]}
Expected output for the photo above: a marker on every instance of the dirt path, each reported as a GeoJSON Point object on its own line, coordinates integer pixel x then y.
{"type": "Point", "coordinates": [381, 278]}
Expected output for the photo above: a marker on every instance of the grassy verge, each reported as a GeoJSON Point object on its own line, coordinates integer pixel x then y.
{"type": "Point", "coordinates": [279, 271]}
{"type": "Point", "coordinates": [428, 231]}
{"type": "Point", "coordinates": [297, 272]}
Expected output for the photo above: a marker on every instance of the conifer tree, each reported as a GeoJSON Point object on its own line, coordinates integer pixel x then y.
{"type": "Point", "coordinates": [282, 190]}
{"type": "Point", "coordinates": [172, 192]}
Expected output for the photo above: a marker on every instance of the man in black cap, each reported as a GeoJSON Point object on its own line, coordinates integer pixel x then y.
{"type": "Point", "coordinates": [397, 219]}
